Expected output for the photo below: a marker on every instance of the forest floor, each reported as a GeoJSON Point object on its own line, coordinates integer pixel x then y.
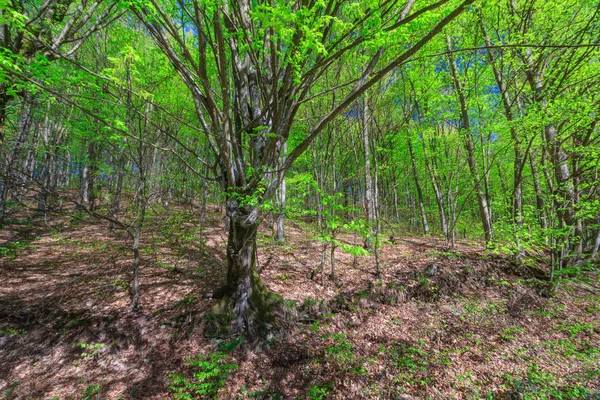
{"type": "Point", "coordinates": [440, 324]}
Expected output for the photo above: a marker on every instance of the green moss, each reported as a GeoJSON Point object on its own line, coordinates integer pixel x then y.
{"type": "Point", "coordinates": [262, 304]}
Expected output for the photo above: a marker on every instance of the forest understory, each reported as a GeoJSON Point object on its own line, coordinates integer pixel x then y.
{"type": "Point", "coordinates": [440, 324]}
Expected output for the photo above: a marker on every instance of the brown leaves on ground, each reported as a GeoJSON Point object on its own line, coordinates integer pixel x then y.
{"type": "Point", "coordinates": [439, 324]}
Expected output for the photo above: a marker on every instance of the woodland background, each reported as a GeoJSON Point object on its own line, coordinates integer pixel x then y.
{"type": "Point", "coordinates": [299, 199]}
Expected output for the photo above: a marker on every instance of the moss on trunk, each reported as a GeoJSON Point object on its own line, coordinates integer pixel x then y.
{"type": "Point", "coordinates": [247, 305]}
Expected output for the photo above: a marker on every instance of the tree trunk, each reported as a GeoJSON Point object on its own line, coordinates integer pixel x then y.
{"type": "Point", "coordinates": [564, 194]}
{"type": "Point", "coordinates": [118, 189]}
{"type": "Point", "coordinates": [417, 183]}
{"type": "Point", "coordinates": [484, 208]}
{"type": "Point", "coordinates": [517, 200]}
{"type": "Point", "coordinates": [369, 206]}
{"type": "Point", "coordinates": [92, 175]}
{"type": "Point", "coordinates": [318, 177]}
{"type": "Point", "coordinates": [247, 302]}
{"type": "Point", "coordinates": [439, 195]}
{"type": "Point", "coordinates": [135, 303]}
{"type": "Point", "coordinates": [333, 259]}
{"type": "Point", "coordinates": [376, 209]}
{"type": "Point", "coordinates": [83, 187]}
{"type": "Point", "coordinates": [539, 197]}
{"type": "Point", "coordinates": [8, 178]}
{"type": "Point", "coordinates": [281, 207]}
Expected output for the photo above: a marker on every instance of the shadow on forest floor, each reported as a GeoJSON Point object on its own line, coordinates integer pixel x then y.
{"type": "Point", "coordinates": [439, 324]}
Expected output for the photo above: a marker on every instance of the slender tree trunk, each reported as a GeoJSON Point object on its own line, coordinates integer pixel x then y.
{"type": "Point", "coordinates": [141, 199]}
{"type": "Point", "coordinates": [484, 208]}
{"type": "Point", "coordinates": [517, 198]}
{"type": "Point", "coordinates": [369, 206]}
{"type": "Point", "coordinates": [8, 178]}
{"type": "Point", "coordinates": [92, 175]}
{"type": "Point", "coordinates": [376, 208]}
{"type": "Point", "coordinates": [417, 183]}
{"type": "Point", "coordinates": [83, 186]}
{"type": "Point", "coordinates": [439, 195]}
{"type": "Point", "coordinates": [116, 207]}
{"type": "Point", "coordinates": [539, 197]}
{"type": "Point", "coordinates": [333, 258]}
{"type": "Point", "coordinates": [281, 214]}
{"type": "Point", "coordinates": [395, 193]}
{"type": "Point", "coordinates": [318, 177]}
{"type": "Point", "coordinates": [135, 303]}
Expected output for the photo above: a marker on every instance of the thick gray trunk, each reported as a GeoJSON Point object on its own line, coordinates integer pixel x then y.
{"type": "Point", "coordinates": [248, 298]}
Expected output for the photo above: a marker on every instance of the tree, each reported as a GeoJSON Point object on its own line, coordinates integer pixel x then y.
{"type": "Point", "coordinates": [250, 67]}
{"type": "Point", "coordinates": [33, 35]}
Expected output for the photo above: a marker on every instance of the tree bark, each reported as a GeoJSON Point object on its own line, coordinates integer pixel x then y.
{"type": "Point", "coordinates": [281, 206]}
{"type": "Point", "coordinates": [417, 183]}
{"type": "Point", "coordinates": [247, 302]}
{"type": "Point", "coordinates": [116, 207]}
{"type": "Point", "coordinates": [369, 206]}
{"type": "Point", "coordinates": [9, 177]}
{"type": "Point", "coordinates": [439, 195]}
{"type": "Point", "coordinates": [484, 207]}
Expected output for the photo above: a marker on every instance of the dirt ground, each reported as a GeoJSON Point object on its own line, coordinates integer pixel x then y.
{"type": "Point", "coordinates": [440, 324]}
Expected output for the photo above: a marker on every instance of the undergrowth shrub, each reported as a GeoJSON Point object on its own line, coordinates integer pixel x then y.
{"type": "Point", "coordinates": [319, 391]}
{"type": "Point", "coordinates": [208, 376]}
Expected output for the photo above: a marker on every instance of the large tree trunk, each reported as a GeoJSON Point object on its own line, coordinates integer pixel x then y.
{"type": "Point", "coordinates": [246, 301]}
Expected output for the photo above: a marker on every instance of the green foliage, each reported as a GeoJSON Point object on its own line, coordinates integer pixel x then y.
{"type": "Point", "coordinates": [91, 392]}
{"type": "Point", "coordinates": [341, 350]}
{"type": "Point", "coordinates": [11, 250]}
{"type": "Point", "coordinates": [511, 333]}
{"type": "Point", "coordinates": [576, 328]}
{"type": "Point", "coordinates": [405, 357]}
{"type": "Point", "coordinates": [342, 353]}
{"type": "Point", "coordinates": [91, 349]}
{"type": "Point", "coordinates": [319, 391]}
{"type": "Point", "coordinates": [208, 375]}
{"type": "Point", "coordinates": [181, 230]}
{"type": "Point", "coordinates": [13, 332]}
{"type": "Point", "coordinates": [542, 385]}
